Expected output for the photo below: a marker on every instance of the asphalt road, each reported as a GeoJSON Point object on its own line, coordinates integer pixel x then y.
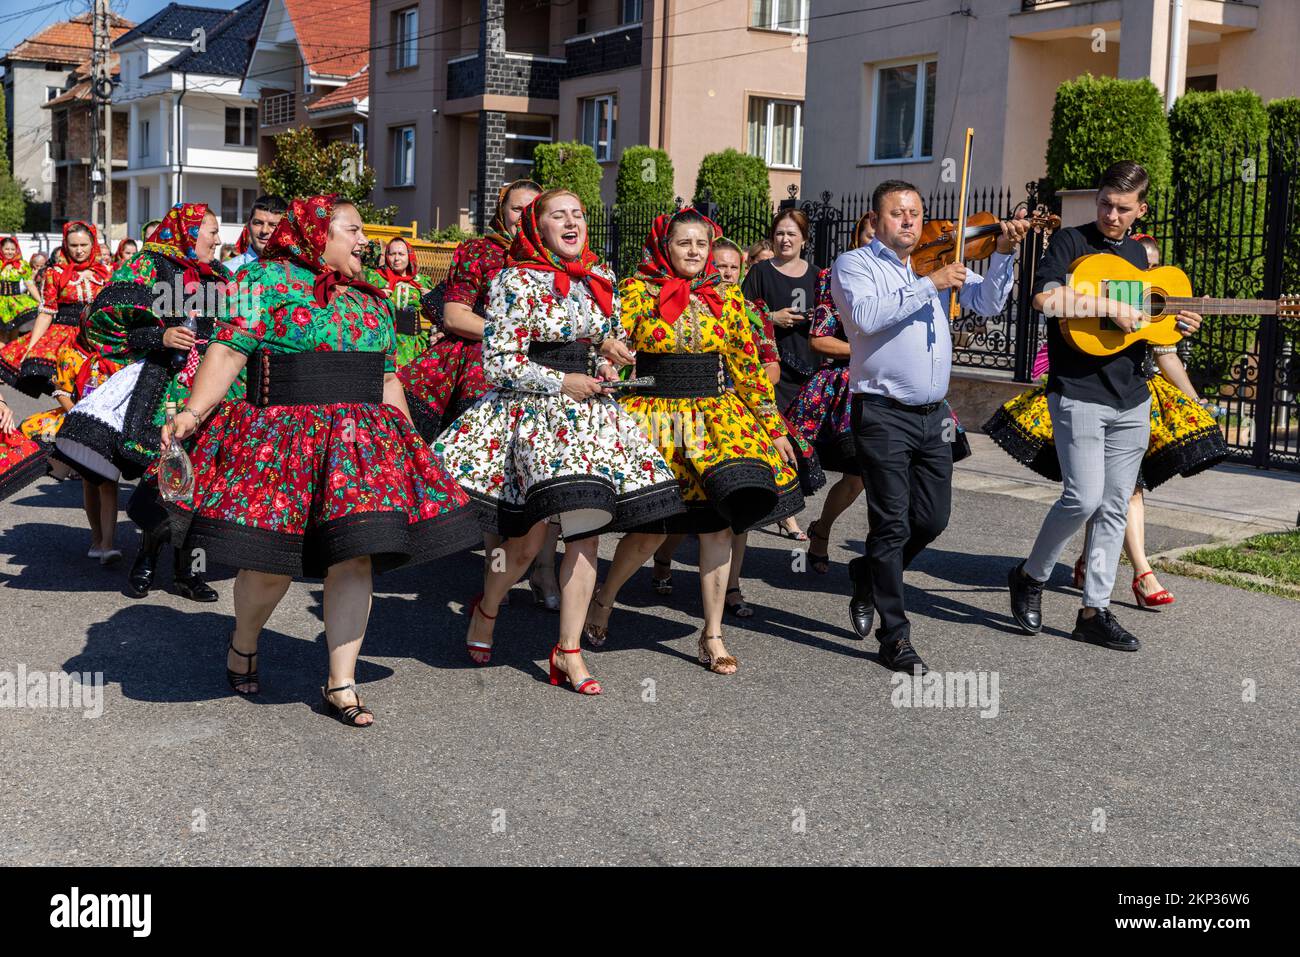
{"type": "Point", "coordinates": [1093, 757]}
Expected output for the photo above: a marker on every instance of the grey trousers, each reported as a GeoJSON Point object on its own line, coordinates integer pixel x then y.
{"type": "Point", "coordinates": [1100, 450]}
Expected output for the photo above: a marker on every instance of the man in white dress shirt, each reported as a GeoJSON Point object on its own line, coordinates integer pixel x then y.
{"type": "Point", "coordinates": [900, 357]}
{"type": "Point", "coordinates": [265, 216]}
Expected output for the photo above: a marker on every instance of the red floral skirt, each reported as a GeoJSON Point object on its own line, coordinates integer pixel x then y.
{"type": "Point", "coordinates": [35, 375]}
{"type": "Point", "coordinates": [294, 489]}
{"type": "Point", "coordinates": [442, 382]}
{"type": "Point", "coordinates": [22, 462]}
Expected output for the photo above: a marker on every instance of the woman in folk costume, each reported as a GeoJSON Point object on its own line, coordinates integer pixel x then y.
{"type": "Point", "coordinates": [548, 442]}
{"type": "Point", "coordinates": [729, 260]}
{"type": "Point", "coordinates": [80, 371]}
{"type": "Point", "coordinates": [29, 362]}
{"type": "Point", "coordinates": [124, 251]}
{"type": "Point", "coordinates": [821, 411]}
{"type": "Point", "coordinates": [17, 304]}
{"type": "Point", "coordinates": [156, 317]}
{"type": "Point", "coordinates": [448, 377]}
{"type": "Point", "coordinates": [316, 471]}
{"type": "Point", "coordinates": [405, 286]}
{"type": "Point", "coordinates": [728, 448]}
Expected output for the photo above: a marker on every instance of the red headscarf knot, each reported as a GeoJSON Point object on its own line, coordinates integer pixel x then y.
{"type": "Point", "coordinates": [527, 251]}
{"type": "Point", "coordinates": [301, 237]}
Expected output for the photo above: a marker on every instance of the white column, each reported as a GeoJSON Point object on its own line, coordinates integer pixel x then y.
{"type": "Point", "coordinates": [133, 223]}
{"type": "Point", "coordinates": [164, 196]}
{"type": "Point", "coordinates": [164, 124]}
{"type": "Point", "coordinates": [133, 140]}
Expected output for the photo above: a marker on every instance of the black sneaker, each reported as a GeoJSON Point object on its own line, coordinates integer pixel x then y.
{"type": "Point", "coordinates": [1103, 629]}
{"type": "Point", "coordinates": [901, 656]}
{"type": "Point", "coordinates": [1026, 600]}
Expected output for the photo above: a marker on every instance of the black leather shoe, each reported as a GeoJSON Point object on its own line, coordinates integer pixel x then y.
{"type": "Point", "coordinates": [862, 607]}
{"type": "Point", "coordinates": [190, 586]}
{"type": "Point", "coordinates": [1026, 600]}
{"type": "Point", "coordinates": [901, 656]}
{"type": "Point", "coordinates": [140, 579]}
{"type": "Point", "coordinates": [1102, 629]}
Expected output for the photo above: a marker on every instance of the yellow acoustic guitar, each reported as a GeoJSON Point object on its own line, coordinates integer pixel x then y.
{"type": "Point", "coordinates": [1159, 293]}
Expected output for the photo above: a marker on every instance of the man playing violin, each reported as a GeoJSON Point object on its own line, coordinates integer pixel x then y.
{"type": "Point", "coordinates": [900, 358]}
{"type": "Point", "coordinates": [1100, 410]}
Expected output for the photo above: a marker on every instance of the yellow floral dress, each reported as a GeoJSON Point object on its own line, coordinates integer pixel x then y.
{"type": "Point", "coordinates": [70, 363]}
{"type": "Point", "coordinates": [719, 442]}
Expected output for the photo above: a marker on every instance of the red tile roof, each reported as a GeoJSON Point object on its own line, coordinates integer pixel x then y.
{"type": "Point", "coordinates": [357, 88]}
{"type": "Point", "coordinates": [66, 42]}
{"type": "Point", "coordinates": [334, 37]}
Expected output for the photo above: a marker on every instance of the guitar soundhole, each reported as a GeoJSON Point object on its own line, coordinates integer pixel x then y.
{"type": "Point", "coordinates": [1155, 304]}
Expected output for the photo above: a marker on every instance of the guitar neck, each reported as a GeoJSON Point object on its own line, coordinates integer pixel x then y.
{"type": "Point", "coordinates": [1207, 306]}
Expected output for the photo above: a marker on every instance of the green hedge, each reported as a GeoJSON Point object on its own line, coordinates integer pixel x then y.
{"type": "Point", "coordinates": [1206, 127]}
{"type": "Point", "coordinates": [1284, 126]}
{"type": "Point", "coordinates": [1097, 121]}
{"type": "Point", "coordinates": [645, 176]}
{"type": "Point", "coordinates": [734, 178]}
{"type": "Point", "coordinates": [570, 166]}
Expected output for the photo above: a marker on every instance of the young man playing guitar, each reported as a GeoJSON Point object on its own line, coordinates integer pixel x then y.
{"type": "Point", "coordinates": [1100, 409]}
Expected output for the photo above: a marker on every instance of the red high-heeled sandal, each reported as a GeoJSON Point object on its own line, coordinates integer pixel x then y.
{"type": "Point", "coordinates": [480, 646]}
{"type": "Point", "coordinates": [583, 686]}
{"type": "Point", "coordinates": [1162, 597]}
{"type": "Point", "coordinates": [1079, 572]}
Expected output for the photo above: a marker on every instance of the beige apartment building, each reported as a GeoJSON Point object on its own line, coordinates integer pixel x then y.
{"type": "Point", "coordinates": [892, 89]}
{"type": "Point", "coordinates": [461, 91]}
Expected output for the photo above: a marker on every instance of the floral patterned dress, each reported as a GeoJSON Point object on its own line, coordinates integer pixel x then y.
{"type": "Point", "coordinates": [67, 291]}
{"type": "Point", "coordinates": [822, 411]}
{"type": "Point", "coordinates": [292, 489]}
{"type": "Point", "coordinates": [719, 447]}
{"type": "Point", "coordinates": [447, 377]}
{"type": "Point", "coordinates": [14, 300]}
{"type": "Point", "coordinates": [120, 429]}
{"type": "Point", "coordinates": [80, 372]}
{"type": "Point", "coordinates": [524, 451]}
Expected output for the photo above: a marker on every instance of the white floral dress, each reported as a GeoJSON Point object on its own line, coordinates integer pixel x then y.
{"type": "Point", "coordinates": [525, 452]}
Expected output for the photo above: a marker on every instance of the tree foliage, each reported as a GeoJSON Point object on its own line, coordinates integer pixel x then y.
{"type": "Point", "coordinates": [733, 178]}
{"type": "Point", "coordinates": [1099, 120]}
{"type": "Point", "coordinates": [303, 166]}
{"type": "Point", "coordinates": [571, 166]}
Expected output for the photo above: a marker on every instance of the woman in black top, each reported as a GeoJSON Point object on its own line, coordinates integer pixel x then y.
{"type": "Point", "coordinates": [786, 285]}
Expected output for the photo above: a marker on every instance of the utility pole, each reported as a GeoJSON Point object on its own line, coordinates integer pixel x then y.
{"type": "Point", "coordinates": [101, 121]}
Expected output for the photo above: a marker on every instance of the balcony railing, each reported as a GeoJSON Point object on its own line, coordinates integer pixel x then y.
{"type": "Point", "coordinates": [514, 74]}
{"type": "Point", "coordinates": [602, 52]}
{"type": "Point", "coordinates": [279, 110]}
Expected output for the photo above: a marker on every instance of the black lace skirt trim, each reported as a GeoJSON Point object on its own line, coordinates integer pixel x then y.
{"type": "Point", "coordinates": [139, 433]}
{"type": "Point", "coordinates": [741, 495]}
{"type": "Point", "coordinates": [572, 493]}
{"type": "Point", "coordinates": [24, 473]}
{"type": "Point", "coordinates": [426, 419]}
{"type": "Point", "coordinates": [1030, 452]}
{"type": "Point", "coordinates": [386, 537]}
{"type": "Point", "coordinates": [90, 432]}
{"type": "Point", "coordinates": [1194, 454]}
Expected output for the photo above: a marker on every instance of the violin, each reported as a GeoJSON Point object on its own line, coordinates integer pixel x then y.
{"type": "Point", "coordinates": [938, 243]}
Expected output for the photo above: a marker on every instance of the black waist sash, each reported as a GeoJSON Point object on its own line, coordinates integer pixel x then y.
{"type": "Point", "coordinates": [314, 378]}
{"type": "Point", "coordinates": [576, 356]}
{"type": "Point", "coordinates": [681, 376]}
{"type": "Point", "coordinates": [406, 322]}
{"type": "Point", "coordinates": [69, 314]}
{"type": "Point", "coordinates": [10, 287]}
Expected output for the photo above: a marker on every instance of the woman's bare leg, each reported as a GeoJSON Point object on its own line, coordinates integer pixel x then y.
{"type": "Point", "coordinates": [348, 588]}
{"type": "Point", "coordinates": [715, 568]}
{"type": "Point", "coordinates": [504, 565]}
{"type": "Point", "coordinates": [632, 551]}
{"type": "Point", "coordinates": [255, 594]}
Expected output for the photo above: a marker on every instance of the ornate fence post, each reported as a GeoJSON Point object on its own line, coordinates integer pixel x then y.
{"type": "Point", "coordinates": [1277, 206]}
{"type": "Point", "coordinates": [1026, 341]}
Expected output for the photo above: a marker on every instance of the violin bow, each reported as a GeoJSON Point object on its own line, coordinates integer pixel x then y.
{"type": "Point", "coordinates": [954, 304]}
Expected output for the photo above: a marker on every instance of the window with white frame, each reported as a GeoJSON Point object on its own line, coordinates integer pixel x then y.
{"type": "Point", "coordinates": [241, 126]}
{"type": "Point", "coordinates": [406, 29]}
{"type": "Point", "coordinates": [774, 131]}
{"type": "Point", "coordinates": [236, 204]}
{"type": "Point", "coordinates": [902, 113]}
{"type": "Point", "coordinates": [51, 92]}
{"type": "Point", "coordinates": [403, 156]}
{"type": "Point", "coordinates": [596, 117]}
{"type": "Point", "coordinates": [790, 16]}
{"type": "Point", "coordinates": [629, 11]}
{"type": "Point", "coordinates": [523, 133]}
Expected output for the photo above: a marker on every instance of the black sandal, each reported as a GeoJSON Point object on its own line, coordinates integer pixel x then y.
{"type": "Point", "coordinates": [739, 609]}
{"type": "Point", "coordinates": [821, 564]}
{"type": "Point", "coordinates": [662, 586]}
{"type": "Point", "coordinates": [239, 681]}
{"type": "Point", "coordinates": [349, 714]}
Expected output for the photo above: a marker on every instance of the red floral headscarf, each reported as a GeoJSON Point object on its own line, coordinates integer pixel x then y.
{"type": "Point", "coordinates": [70, 267]}
{"type": "Point", "coordinates": [17, 260]}
{"type": "Point", "coordinates": [244, 242]}
{"type": "Point", "coordinates": [394, 277]}
{"type": "Point", "coordinates": [527, 251]}
{"type": "Point", "coordinates": [497, 231]}
{"type": "Point", "coordinates": [301, 237]}
{"type": "Point", "coordinates": [674, 290]}
{"type": "Point", "coordinates": [175, 236]}
{"type": "Point", "coordinates": [118, 257]}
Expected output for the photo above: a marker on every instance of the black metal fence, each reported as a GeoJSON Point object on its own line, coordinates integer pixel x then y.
{"type": "Point", "coordinates": [1235, 230]}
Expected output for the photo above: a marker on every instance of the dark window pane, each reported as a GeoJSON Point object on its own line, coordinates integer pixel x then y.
{"type": "Point", "coordinates": [927, 136]}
